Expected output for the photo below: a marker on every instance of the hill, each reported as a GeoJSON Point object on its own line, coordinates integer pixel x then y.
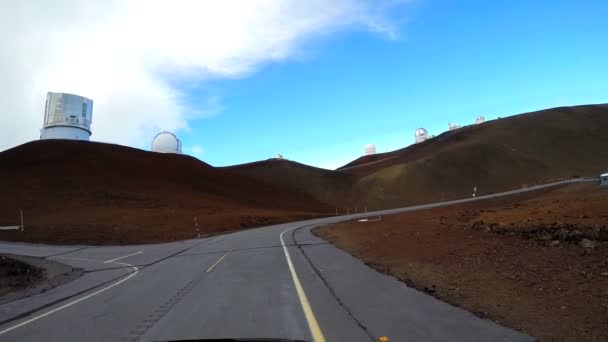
{"type": "Point", "coordinates": [81, 192]}
{"type": "Point", "coordinates": [495, 156]}
{"type": "Point", "coordinates": [91, 192]}
{"type": "Point", "coordinates": [327, 186]}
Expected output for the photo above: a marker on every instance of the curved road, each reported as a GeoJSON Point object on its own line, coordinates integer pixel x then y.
{"type": "Point", "coordinates": [274, 282]}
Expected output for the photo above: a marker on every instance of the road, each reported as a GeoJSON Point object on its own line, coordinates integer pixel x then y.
{"type": "Point", "coordinates": [274, 282]}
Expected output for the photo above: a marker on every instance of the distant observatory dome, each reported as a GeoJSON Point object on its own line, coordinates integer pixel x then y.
{"type": "Point", "coordinates": [452, 126]}
{"type": "Point", "coordinates": [370, 149]}
{"type": "Point", "coordinates": [166, 142]}
{"type": "Point", "coordinates": [278, 156]}
{"type": "Point", "coordinates": [421, 135]}
{"type": "Point", "coordinates": [480, 119]}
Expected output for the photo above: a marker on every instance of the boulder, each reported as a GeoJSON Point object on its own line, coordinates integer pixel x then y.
{"type": "Point", "coordinates": [586, 243]}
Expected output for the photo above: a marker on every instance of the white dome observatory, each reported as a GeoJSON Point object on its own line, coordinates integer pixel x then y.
{"type": "Point", "coordinates": [370, 149]}
{"type": "Point", "coordinates": [67, 116]}
{"type": "Point", "coordinates": [278, 156]}
{"type": "Point", "coordinates": [421, 135]}
{"type": "Point", "coordinates": [166, 142]}
{"type": "Point", "coordinates": [480, 119]}
{"type": "Point", "coordinates": [452, 126]}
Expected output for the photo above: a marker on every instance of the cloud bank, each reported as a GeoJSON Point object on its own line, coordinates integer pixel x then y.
{"type": "Point", "coordinates": [128, 56]}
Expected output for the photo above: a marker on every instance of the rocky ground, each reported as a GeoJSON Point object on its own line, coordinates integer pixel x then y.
{"type": "Point", "coordinates": [537, 262]}
{"type": "Point", "coordinates": [16, 275]}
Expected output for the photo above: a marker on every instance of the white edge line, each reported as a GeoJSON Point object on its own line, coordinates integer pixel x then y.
{"type": "Point", "coordinates": [315, 330]}
{"type": "Point", "coordinates": [70, 258]}
{"type": "Point", "coordinates": [33, 319]}
{"type": "Point", "coordinates": [122, 257]}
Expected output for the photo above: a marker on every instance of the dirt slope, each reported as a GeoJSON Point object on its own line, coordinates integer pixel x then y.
{"type": "Point", "coordinates": [494, 156]}
{"type": "Point", "coordinates": [121, 194]}
{"type": "Point", "coordinates": [368, 159]}
{"type": "Point", "coordinates": [326, 186]}
{"type": "Point", "coordinates": [92, 192]}
{"type": "Point", "coordinates": [536, 261]}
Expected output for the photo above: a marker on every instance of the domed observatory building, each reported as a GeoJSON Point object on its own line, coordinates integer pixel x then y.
{"type": "Point", "coordinates": [166, 142]}
{"type": "Point", "coordinates": [421, 135]}
{"type": "Point", "coordinates": [67, 116]}
{"type": "Point", "coordinates": [370, 149]}
{"type": "Point", "coordinates": [452, 126]}
{"type": "Point", "coordinates": [480, 119]}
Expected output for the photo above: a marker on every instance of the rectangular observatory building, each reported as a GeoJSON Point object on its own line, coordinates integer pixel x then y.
{"type": "Point", "coordinates": [67, 116]}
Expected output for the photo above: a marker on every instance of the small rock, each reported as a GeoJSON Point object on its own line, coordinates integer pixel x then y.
{"type": "Point", "coordinates": [555, 243]}
{"type": "Point", "coordinates": [429, 290]}
{"type": "Point", "coordinates": [561, 234]}
{"type": "Point", "coordinates": [574, 235]}
{"type": "Point", "coordinates": [586, 243]}
{"type": "Point", "coordinates": [603, 234]}
{"type": "Point", "coordinates": [605, 274]}
{"type": "Point", "coordinates": [478, 225]}
{"type": "Point", "coordinates": [545, 237]}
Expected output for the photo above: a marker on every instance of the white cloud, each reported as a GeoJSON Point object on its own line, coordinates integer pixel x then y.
{"type": "Point", "coordinates": [128, 55]}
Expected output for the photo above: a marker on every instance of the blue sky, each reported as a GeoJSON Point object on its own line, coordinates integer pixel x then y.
{"type": "Point", "coordinates": [314, 80]}
{"type": "Point", "coordinates": [452, 60]}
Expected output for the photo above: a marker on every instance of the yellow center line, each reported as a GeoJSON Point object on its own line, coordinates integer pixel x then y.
{"type": "Point", "coordinates": [218, 261]}
{"type": "Point", "coordinates": [313, 325]}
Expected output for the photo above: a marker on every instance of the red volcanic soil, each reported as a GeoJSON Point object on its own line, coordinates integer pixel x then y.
{"type": "Point", "coordinates": [84, 192]}
{"type": "Point", "coordinates": [95, 193]}
{"type": "Point", "coordinates": [537, 262]}
{"type": "Point", "coordinates": [495, 156]}
{"type": "Point", "coordinates": [324, 185]}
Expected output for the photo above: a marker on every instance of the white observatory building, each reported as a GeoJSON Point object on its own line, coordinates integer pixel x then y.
{"type": "Point", "coordinates": [480, 119]}
{"type": "Point", "coordinates": [422, 135]}
{"type": "Point", "coordinates": [278, 156]}
{"type": "Point", "coordinates": [452, 126]}
{"type": "Point", "coordinates": [166, 142]}
{"type": "Point", "coordinates": [67, 116]}
{"type": "Point", "coordinates": [370, 149]}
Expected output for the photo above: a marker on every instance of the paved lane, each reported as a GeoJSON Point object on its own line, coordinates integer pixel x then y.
{"type": "Point", "coordinates": [234, 285]}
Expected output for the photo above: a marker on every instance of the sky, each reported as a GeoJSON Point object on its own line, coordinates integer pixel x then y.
{"type": "Point", "coordinates": [240, 81]}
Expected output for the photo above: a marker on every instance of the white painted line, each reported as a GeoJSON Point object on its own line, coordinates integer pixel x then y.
{"type": "Point", "coordinates": [10, 228]}
{"type": "Point", "coordinates": [218, 261]}
{"type": "Point", "coordinates": [315, 330]}
{"type": "Point", "coordinates": [122, 257]}
{"type": "Point", "coordinates": [33, 319]}
{"type": "Point", "coordinates": [71, 258]}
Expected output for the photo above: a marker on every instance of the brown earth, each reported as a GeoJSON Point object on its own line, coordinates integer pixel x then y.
{"type": "Point", "coordinates": [94, 193]}
{"type": "Point", "coordinates": [324, 185]}
{"type": "Point", "coordinates": [16, 275]}
{"type": "Point", "coordinates": [495, 156]}
{"type": "Point", "coordinates": [537, 262]}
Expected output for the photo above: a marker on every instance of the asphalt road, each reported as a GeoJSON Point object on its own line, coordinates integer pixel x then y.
{"type": "Point", "coordinates": [274, 282]}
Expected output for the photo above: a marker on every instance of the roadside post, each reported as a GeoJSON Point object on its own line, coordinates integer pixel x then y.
{"type": "Point", "coordinates": [198, 233]}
